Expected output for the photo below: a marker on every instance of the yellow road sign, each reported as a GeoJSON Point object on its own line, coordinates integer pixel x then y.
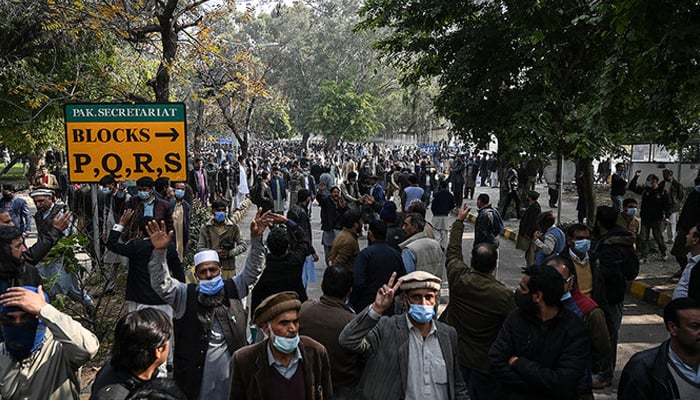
{"type": "Point", "coordinates": [128, 141]}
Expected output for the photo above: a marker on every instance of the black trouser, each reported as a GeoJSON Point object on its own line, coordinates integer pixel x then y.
{"type": "Point", "coordinates": [469, 192]}
{"type": "Point", "coordinates": [553, 197]}
{"type": "Point", "coordinates": [512, 195]}
{"type": "Point", "coordinates": [655, 228]}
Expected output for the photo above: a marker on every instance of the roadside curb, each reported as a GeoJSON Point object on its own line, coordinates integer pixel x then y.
{"type": "Point", "coordinates": [506, 233]}
{"type": "Point", "coordinates": [649, 294]}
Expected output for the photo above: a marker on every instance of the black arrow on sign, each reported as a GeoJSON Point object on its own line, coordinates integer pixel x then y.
{"type": "Point", "coordinates": [173, 134]}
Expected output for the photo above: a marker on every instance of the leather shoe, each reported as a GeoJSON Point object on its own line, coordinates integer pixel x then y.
{"type": "Point", "coordinates": [599, 384]}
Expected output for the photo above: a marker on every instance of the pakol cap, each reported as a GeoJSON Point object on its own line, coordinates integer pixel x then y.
{"type": "Point", "coordinates": [275, 305]}
{"type": "Point", "coordinates": [41, 192]}
{"type": "Point", "coordinates": [420, 280]}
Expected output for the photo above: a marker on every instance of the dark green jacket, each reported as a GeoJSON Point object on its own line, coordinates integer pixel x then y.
{"type": "Point", "coordinates": [478, 305]}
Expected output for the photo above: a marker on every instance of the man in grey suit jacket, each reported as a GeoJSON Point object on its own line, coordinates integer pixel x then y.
{"type": "Point", "coordinates": [391, 344]}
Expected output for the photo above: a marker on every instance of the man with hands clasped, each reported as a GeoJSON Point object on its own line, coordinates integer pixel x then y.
{"type": "Point", "coordinates": [412, 355]}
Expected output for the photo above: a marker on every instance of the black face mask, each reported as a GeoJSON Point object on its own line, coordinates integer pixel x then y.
{"type": "Point", "coordinates": [525, 303]}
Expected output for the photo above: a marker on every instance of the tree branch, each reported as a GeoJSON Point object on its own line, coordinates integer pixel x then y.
{"type": "Point", "coordinates": [189, 8]}
{"type": "Point", "coordinates": [179, 28]}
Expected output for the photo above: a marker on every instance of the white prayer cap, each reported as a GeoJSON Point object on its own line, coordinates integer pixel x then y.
{"type": "Point", "coordinates": [204, 256]}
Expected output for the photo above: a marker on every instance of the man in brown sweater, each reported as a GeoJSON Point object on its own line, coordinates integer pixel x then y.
{"type": "Point", "coordinates": [285, 365]}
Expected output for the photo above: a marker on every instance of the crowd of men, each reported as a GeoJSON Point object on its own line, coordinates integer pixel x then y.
{"type": "Point", "coordinates": [251, 332]}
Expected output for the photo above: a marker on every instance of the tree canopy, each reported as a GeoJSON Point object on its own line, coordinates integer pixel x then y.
{"type": "Point", "coordinates": [343, 114]}
{"type": "Point", "coordinates": [573, 77]}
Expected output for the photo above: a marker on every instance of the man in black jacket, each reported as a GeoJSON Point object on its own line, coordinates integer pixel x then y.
{"type": "Point", "coordinates": [373, 267]}
{"type": "Point", "coordinates": [618, 264]}
{"type": "Point", "coordinates": [528, 226]}
{"type": "Point", "coordinates": [512, 193]}
{"type": "Point", "coordinates": [618, 184]}
{"type": "Point", "coordinates": [655, 211]}
{"type": "Point", "coordinates": [141, 345]}
{"type": "Point", "coordinates": [457, 178]}
{"type": "Point", "coordinates": [666, 372]}
{"type": "Point", "coordinates": [299, 213]}
{"type": "Point", "coordinates": [689, 217]}
{"type": "Point", "coordinates": [139, 293]}
{"type": "Point", "coordinates": [227, 182]}
{"type": "Point", "coordinates": [486, 221]}
{"type": "Point", "coordinates": [542, 349]}
{"type": "Point", "coordinates": [284, 261]}
{"type": "Point", "coordinates": [332, 208]}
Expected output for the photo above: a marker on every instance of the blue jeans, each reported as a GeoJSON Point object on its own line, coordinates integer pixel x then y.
{"type": "Point", "coordinates": [480, 386]}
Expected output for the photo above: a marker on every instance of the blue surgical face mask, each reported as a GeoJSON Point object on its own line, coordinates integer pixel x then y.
{"type": "Point", "coordinates": [179, 193]}
{"type": "Point", "coordinates": [648, 184]}
{"type": "Point", "coordinates": [144, 195]}
{"type": "Point", "coordinates": [582, 246]}
{"type": "Point", "coordinates": [284, 344]}
{"type": "Point", "coordinates": [106, 190]}
{"type": "Point", "coordinates": [566, 296]}
{"type": "Point", "coordinates": [211, 286]}
{"type": "Point", "coordinates": [420, 313]}
{"type": "Point", "coordinates": [697, 188]}
{"type": "Point", "coordinates": [220, 216]}
{"type": "Point", "coordinates": [631, 211]}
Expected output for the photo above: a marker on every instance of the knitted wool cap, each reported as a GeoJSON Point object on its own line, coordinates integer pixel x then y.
{"type": "Point", "coordinates": [275, 305]}
{"type": "Point", "coordinates": [420, 280]}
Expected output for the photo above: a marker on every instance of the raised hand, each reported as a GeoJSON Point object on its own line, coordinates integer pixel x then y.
{"type": "Point", "coordinates": [62, 220]}
{"type": "Point", "coordinates": [160, 238]}
{"type": "Point", "coordinates": [385, 295]}
{"type": "Point", "coordinates": [260, 223]}
{"type": "Point", "coordinates": [278, 218]}
{"type": "Point", "coordinates": [126, 216]}
{"type": "Point", "coordinates": [463, 212]}
{"type": "Point", "coordinates": [25, 299]}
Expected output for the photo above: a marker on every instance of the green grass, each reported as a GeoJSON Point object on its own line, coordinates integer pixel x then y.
{"type": "Point", "coordinates": [14, 174]}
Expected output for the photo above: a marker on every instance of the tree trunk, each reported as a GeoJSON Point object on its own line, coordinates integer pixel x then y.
{"type": "Point", "coordinates": [244, 144]}
{"type": "Point", "coordinates": [198, 128]}
{"type": "Point", "coordinates": [10, 165]}
{"type": "Point", "coordinates": [585, 167]}
{"type": "Point", "coordinates": [501, 177]}
{"type": "Point", "coordinates": [168, 38]}
{"type": "Point", "coordinates": [589, 193]}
